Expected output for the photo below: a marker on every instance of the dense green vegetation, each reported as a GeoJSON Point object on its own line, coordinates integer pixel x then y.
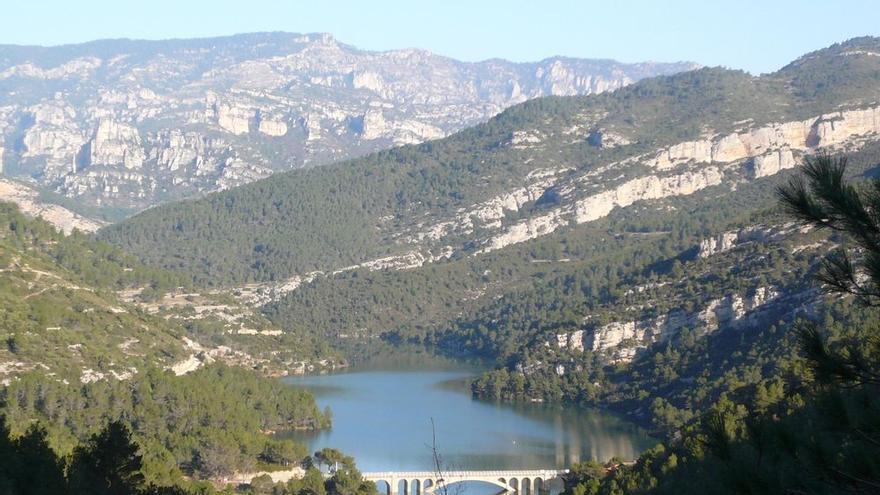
{"type": "Point", "coordinates": [58, 305]}
{"type": "Point", "coordinates": [107, 463]}
{"type": "Point", "coordinates": [71, 304]}
{"type": "Point", "coordinates": [111, 462]}
{"type": "Point", "coordinates": [211, 422]}
{"type": "Point", "coordinates": [86, 260]}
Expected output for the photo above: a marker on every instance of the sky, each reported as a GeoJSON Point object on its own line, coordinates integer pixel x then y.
{"type": "Point", "coordinates": [754, 35]}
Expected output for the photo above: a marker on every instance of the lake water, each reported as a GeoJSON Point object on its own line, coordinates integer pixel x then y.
{"type": "Point", "coordinates": [382, 416]}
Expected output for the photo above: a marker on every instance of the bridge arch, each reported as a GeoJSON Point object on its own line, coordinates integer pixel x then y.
{"type": "Point", "coordinates": [386, 490]}
{"type": "Point", "coordinates": [438, 488]}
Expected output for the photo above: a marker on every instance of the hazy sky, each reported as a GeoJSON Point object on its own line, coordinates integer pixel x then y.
{"type": "Point", "coordinates": [755, 35]}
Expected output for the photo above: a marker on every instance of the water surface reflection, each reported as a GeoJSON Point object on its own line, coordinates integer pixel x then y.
{"type": "Point", "coordinates": [383, 418]}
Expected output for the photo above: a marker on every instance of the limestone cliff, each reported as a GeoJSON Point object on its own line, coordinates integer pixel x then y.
{"type": "Point", "coordinates": [688, 167]}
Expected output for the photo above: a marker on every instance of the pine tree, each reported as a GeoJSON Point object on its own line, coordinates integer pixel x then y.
{"type": "Point", "coordinates": [109, 464]}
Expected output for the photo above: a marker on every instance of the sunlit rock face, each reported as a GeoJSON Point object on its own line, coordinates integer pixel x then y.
{"type": "Point", "coordinates": [135, 124]}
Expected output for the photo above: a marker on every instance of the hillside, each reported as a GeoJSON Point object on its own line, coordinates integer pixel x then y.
{"type": "Point", "coordinates": [576, 241]}
{"type": "Point", "coordinates": [121, 125]}
{"type": "Point", "coordinates": [85, 311]}
{"type": "Point", "coordinates": [86, 338]}
{"type": "Point", "coordinates": [535, 168]}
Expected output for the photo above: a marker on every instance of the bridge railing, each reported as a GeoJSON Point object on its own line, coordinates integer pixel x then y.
{"type": "Point", "coordinates": [467, 474]}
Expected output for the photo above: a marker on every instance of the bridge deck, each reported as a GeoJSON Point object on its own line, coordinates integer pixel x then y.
{"type": "Point", "coordinates": [512, 473]}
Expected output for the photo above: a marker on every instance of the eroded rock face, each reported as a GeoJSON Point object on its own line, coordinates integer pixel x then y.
{"type": "Point", "coordinates": [53, 137]}
{"type": "Point", "coordinates": [623, 339]}
{"type": "Point", "coordinates": [274, 128]}
{"type": "Point", "coordinates": [234, 118]}
{"type": "Point", "coordinates": [684, 169]}
{"type": "Point", "coordinates": [115, 143]}
{"type": "Point", "coordinates": [602, 138]}
{"type": "Point", "coordinates": [718, 244]}
{"type": "Point", "coordinates": [190, 118]}
{"type": "Point", "coordinates": [726, 241]}
{"type": "Point", "coordinates": [773, 162]}
{"type": "Point", "coordinates": [836, 128]}
{"type": "Point", "coordinates": [373, 124]}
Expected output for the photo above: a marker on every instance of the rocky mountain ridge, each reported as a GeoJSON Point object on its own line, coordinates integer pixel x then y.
{"type": "Point", "coordinates": [678, 170]}
{"type": "Point", "coordinates": [124, 125]}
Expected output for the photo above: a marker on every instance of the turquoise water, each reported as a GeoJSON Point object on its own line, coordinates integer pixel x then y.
{"type": "Point", "coordinates": [382, 416]}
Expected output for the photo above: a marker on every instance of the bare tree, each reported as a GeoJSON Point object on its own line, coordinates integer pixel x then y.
{"type": "Point", "coordinates": [439, 465]}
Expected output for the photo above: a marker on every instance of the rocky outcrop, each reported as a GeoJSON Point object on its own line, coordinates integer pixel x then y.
{"type": "Point", "coordinates": [839, 127]}
{"type": "Point", "coordinates": [78, 67]}
{"type": "Point", "coordinates": [726, 241]}
{"type": "Point", "coordinates": [373, 124]}
{"type": "Point", "coordinates": [718, 244]}
{"type": "Point", "coordinates": [772, 145]}
{"type": "Point", "coordinates": [52, 137]}
{"type": "Point", "coordinates": [115, 143]}
{"type": "Point", "coordinates": [234, 118]}
{"type": "Point", "coordinates": [176, 150]}
{"type": "Point", "coordinates": [621, 339]}
{"type": "Point", "coordinates": [651, 187]}
{"type": "Point", "coordinates": [773, 162]}
{"type": "Point", "coordinates": [367, 80]}
{"type": "Point", "coordinates": [573, 341]}
{"type": "Point", "coordinates": [559, 79]}
{"type": "Point", "coordinates": [275, 128]}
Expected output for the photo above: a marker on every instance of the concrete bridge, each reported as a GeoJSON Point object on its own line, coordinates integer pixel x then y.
{"type": "Point", "coordinates": [529, 482]}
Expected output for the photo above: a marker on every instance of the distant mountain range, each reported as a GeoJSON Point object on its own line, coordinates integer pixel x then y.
{"type": "Point", "coordinates": [121, 125]}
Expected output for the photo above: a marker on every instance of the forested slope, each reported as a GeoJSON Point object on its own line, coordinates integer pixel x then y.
{"type": "Point", "coordinates": [76, 355]}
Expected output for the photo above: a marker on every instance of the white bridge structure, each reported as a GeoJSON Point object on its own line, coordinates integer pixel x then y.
{"type": "Point", "coordinates": [527, 482]}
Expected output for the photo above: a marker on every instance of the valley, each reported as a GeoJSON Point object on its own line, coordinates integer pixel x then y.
{"type": "Point", "coordinates": [279, 257]}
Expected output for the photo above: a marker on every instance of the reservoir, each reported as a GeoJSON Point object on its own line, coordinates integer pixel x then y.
{"type": "Point", "coordinates": [382, 416]}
